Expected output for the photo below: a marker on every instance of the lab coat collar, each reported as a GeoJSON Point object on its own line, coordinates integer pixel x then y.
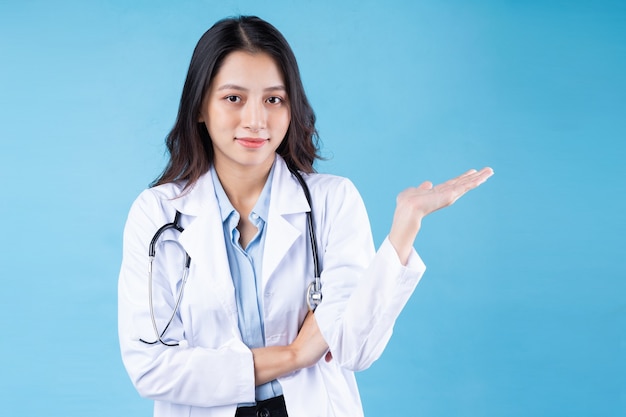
{"type": "Point", "coordinates": [203, 236]}
{"type": "Point", "coordinates": [287, 196]}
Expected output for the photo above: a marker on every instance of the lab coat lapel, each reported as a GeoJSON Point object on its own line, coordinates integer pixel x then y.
{"type": "Point", "coordinates": [203, 239]}
{"type": "Point", "coordinates": [287, 198]}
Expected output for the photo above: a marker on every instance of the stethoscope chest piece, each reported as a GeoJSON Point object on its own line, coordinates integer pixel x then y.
{"type": "Point", "coordinates": [314, 294]}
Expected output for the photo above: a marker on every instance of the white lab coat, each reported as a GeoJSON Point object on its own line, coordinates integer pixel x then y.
{"type": "Point", "coordinates": [212, 369]}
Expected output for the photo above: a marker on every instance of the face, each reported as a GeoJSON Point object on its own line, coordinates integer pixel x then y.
{"type": "Point", "coordinates": [246, 111]}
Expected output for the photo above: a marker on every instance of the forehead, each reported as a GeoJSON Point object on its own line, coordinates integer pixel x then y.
{"type": "Point", "coordinates": [248, 70]}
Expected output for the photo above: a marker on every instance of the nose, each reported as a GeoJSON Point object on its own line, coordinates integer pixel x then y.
{"type": "Point", "coordinates": [254, 116]}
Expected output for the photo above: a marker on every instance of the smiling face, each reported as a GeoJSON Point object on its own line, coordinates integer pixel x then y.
{"type": "Point", "coordinates": [246, 111]}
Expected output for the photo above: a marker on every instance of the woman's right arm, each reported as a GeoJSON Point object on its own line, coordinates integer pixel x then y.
{"type": "Point", "coordinates": [305, 351]}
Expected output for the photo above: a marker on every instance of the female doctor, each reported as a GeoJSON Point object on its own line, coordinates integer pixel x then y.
{"type": "Point", "coordinates": [234, 334]}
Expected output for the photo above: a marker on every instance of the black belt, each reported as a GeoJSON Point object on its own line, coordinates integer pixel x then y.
{"type": "Point", "coordinates": [274, 407]}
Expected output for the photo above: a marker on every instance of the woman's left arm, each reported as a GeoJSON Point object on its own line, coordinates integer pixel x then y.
{"type": "Point", "coordinates": [413, 204]}
{"type": "Point", "coordinates": [365, 293]}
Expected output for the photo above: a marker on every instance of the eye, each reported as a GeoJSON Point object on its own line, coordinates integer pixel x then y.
{"type": "Point", "coordinates": [274, 100]}
{"type": "Point", "coordinates": [233, 99]}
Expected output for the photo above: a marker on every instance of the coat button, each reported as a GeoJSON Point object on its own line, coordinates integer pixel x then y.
{"type": "Point", "coordinates": [263, 412]}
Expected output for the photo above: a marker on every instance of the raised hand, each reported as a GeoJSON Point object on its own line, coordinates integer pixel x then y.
{"type": "Point", "coordinates": [413, 204]}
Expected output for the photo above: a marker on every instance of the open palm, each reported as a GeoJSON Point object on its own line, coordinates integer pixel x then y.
{"type": "Point", "coordinates": [414, 203]}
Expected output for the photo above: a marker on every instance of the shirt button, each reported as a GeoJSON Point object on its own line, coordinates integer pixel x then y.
{"type": "Point", "coordinates": [254, 216]}
{"type": "Point", "coordinates": [263, 412]}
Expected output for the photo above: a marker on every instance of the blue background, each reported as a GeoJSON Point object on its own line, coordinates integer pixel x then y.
{"type": "Point", "coordinates": [522, 311]}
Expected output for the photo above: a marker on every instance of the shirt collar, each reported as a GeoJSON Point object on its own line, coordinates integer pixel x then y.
{"type": "Point", "coordinates": [260, 209]}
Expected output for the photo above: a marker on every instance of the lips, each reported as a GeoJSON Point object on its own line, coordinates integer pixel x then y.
{"type": "Point", "coordinates": [252, 143]}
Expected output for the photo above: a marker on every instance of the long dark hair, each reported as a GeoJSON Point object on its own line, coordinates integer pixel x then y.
{"type": "Point", "coordinates": [189, 143]}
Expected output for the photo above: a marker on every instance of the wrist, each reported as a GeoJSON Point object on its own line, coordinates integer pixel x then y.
{"type": "Point", "coordinates": [295, 356]}
{"type": "Point", "coordinates": [402, 237]}
{"type": "Point", "coordinates": [273, 362]}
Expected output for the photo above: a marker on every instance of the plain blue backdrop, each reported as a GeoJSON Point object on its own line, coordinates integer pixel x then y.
{"type": "Point", "coordinates": [522, 311]}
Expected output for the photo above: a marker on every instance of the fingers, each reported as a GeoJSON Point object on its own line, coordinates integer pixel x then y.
{"type": "Point", "coordinates": [456, 187]}
{"type": "Point", "coordinates": [477, 178]}
{"type": "Point", "coordinates": [472, 174]}
{"type": "Point", "coordinates": [468, 172]}
{"type": "Point", "coordinates": [485, 173]}
{"type": "Point", "coordinates": [426, 198]}
{"type": "Point", "coordinates": [472, 177]}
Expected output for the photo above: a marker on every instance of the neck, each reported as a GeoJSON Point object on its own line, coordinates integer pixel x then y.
{"type": "Point", "coordinates": [242, 186]}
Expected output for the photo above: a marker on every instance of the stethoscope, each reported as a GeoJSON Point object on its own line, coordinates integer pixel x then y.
{"type": "Point", "coordinates": [313, 293]}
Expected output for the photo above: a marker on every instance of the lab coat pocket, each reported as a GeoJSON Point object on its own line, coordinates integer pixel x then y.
{"type": "Point", "coordinates": [208, 310]}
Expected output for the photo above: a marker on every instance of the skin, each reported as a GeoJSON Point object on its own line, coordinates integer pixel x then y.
{"type": "Point", "coordinates": [247, 114]}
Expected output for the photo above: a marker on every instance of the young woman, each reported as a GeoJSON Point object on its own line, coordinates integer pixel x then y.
{"type": "Point", "coordinates": [215, 313]}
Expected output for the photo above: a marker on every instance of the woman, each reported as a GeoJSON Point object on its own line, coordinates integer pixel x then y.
{"type": "Point", "coordinates": [234, 335]}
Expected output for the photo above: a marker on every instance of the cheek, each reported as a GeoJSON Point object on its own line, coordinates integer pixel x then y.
{"type": "Point", "coordinates": [283, 122]}
{"type": "Point", "coordinates": [219, 120]}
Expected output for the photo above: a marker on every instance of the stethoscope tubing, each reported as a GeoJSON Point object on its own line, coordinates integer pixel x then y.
{"type": "Point", "coordinates": [151, 255]}
{"type": "Point", "coordinates": [314, 290]}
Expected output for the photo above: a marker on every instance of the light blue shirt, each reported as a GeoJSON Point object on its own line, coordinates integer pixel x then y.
{"type": "Point", "coordinates": [245, 269]}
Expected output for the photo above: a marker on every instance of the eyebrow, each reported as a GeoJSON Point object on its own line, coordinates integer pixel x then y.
{"type": "Point", "coordinates": [240, 88]}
